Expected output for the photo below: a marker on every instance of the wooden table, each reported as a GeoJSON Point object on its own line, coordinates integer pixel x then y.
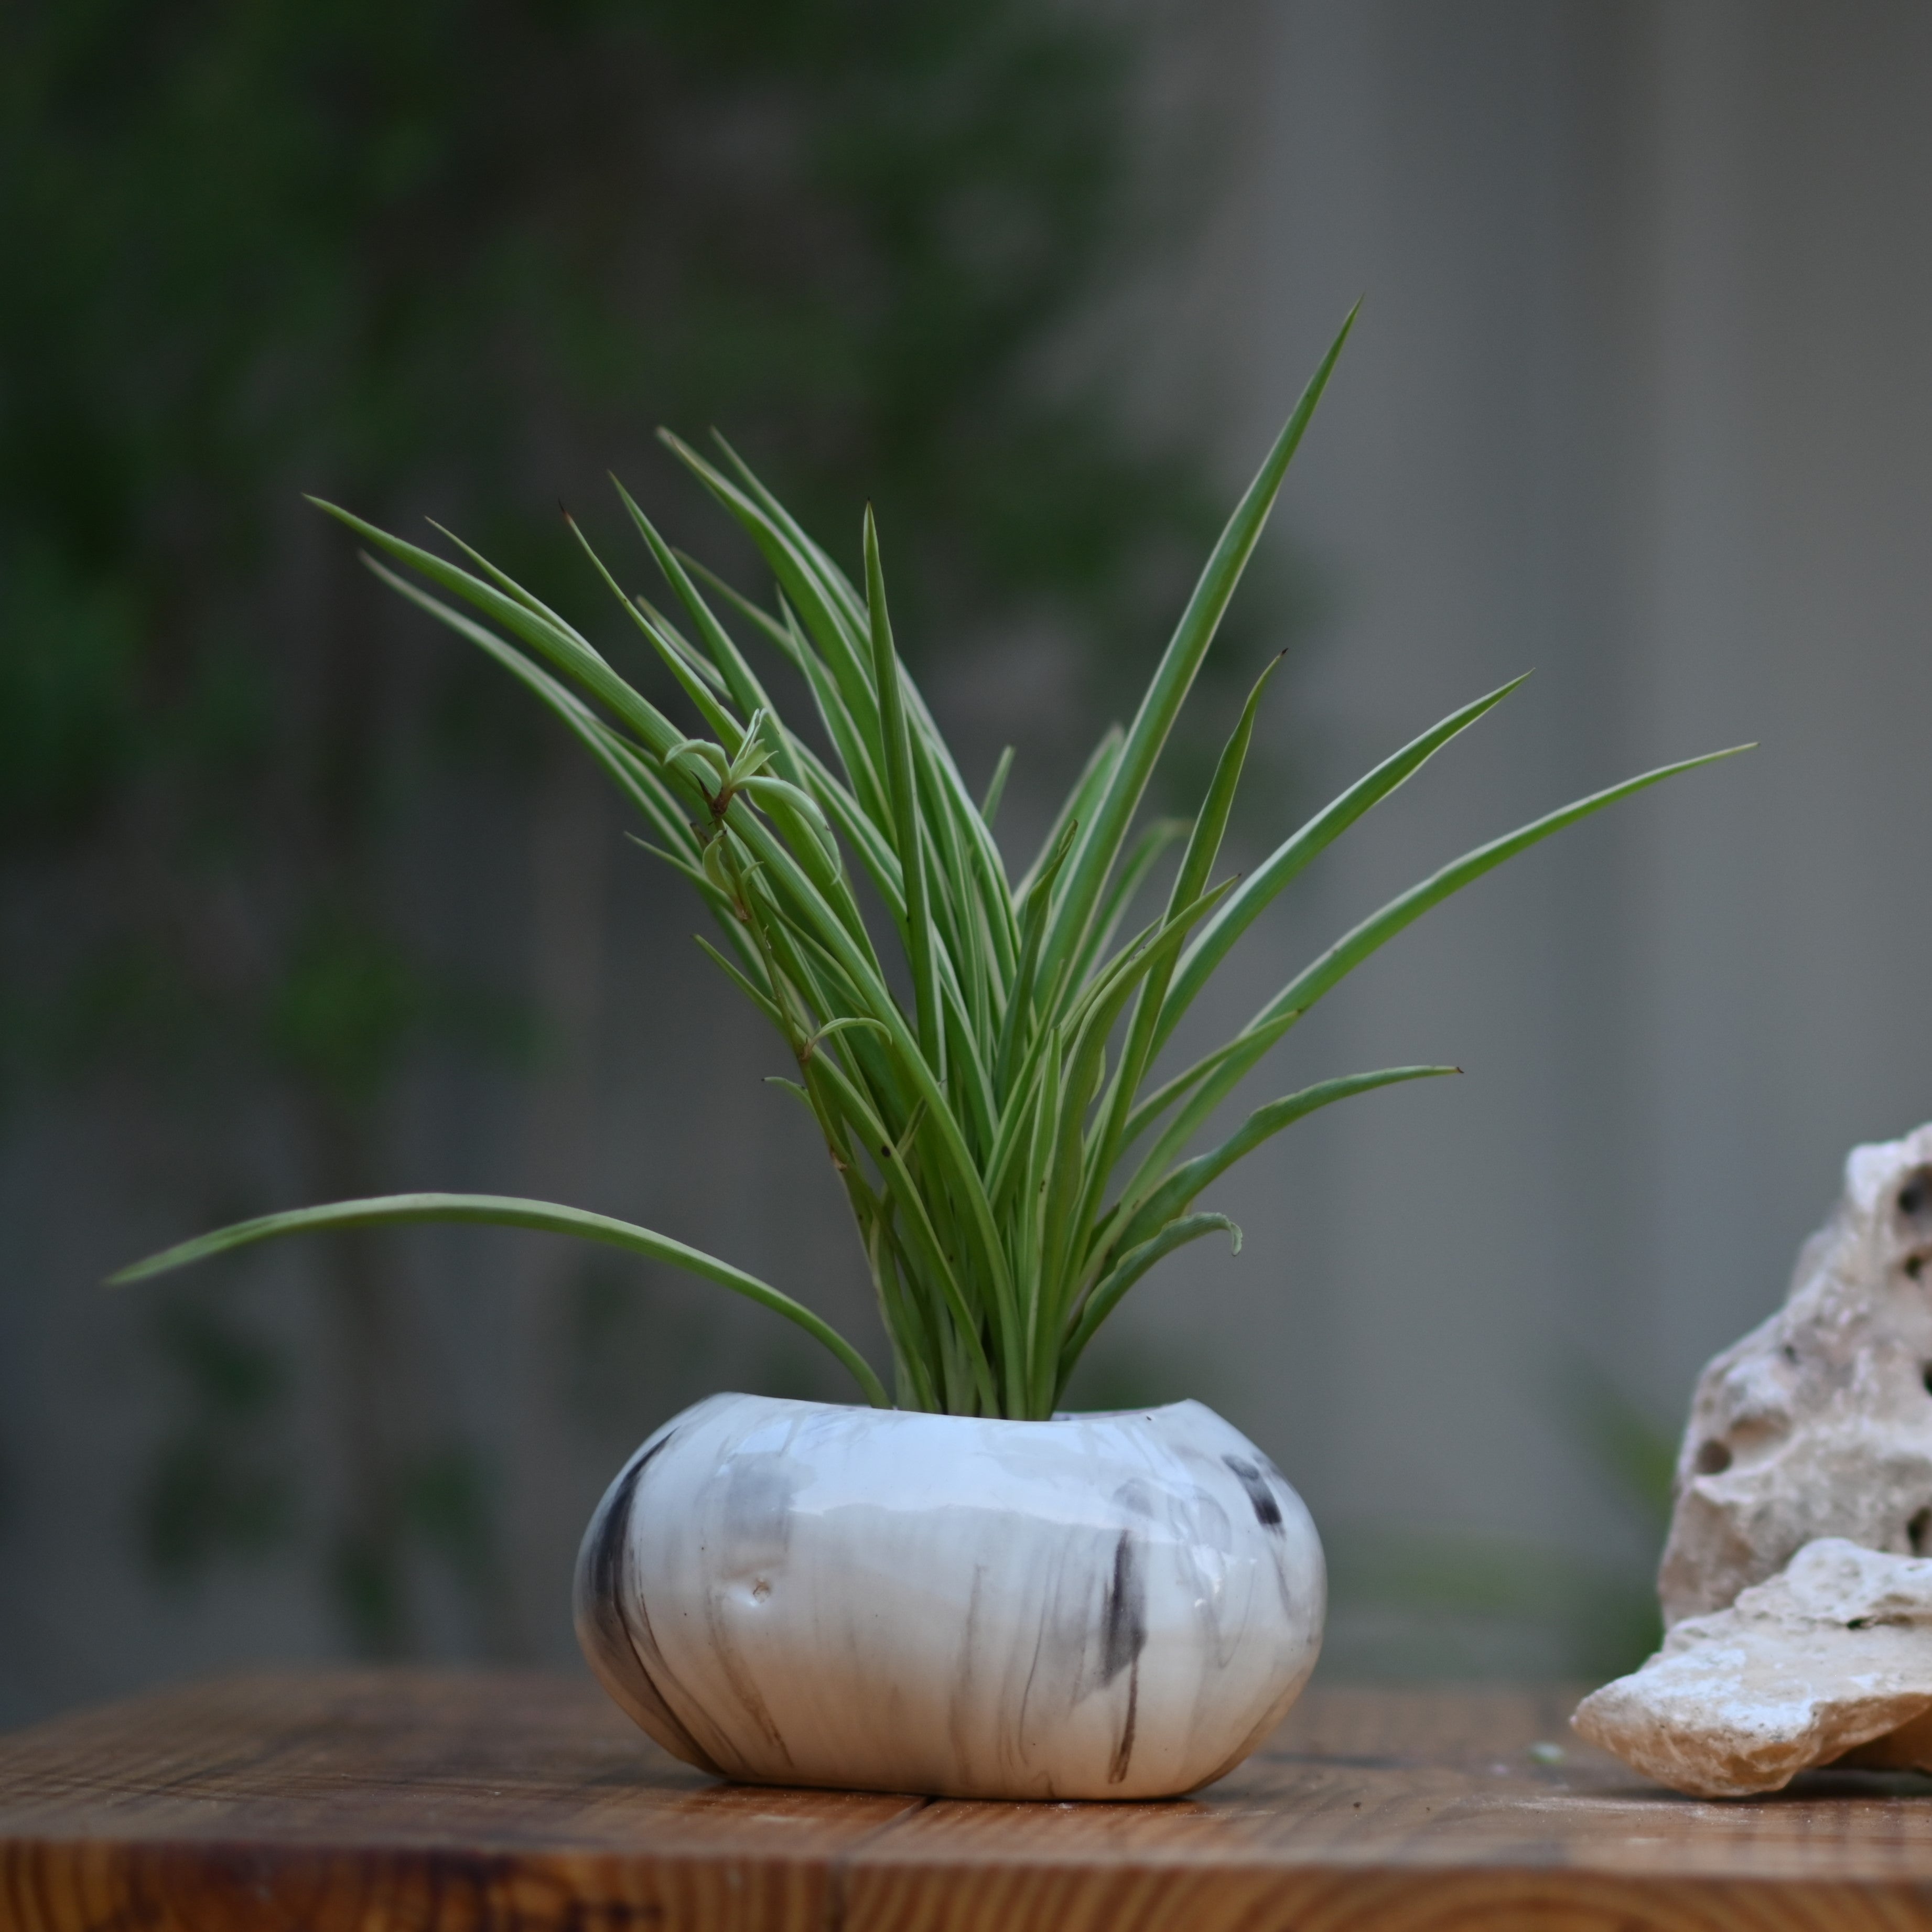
{"type": "Point", "coordinates": [409, 1800]}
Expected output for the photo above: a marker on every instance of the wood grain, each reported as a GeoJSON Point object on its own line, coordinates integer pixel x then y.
{"type": "Point", "coordinates": [398, 1799]}
{"type": "Point", "coordinates": [411, 1802]}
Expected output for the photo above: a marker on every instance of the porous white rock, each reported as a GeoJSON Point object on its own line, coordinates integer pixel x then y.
{"type": "Point", "coordinates": [1834, 1653]}
{"type": "Point", "coordinates": [1818, 1422]}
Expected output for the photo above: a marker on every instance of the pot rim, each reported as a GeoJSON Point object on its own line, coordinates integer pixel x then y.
{"type": "Point", "coordinates": [1062, 1415]}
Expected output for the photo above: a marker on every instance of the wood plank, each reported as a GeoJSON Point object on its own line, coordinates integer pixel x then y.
{"type": "Point", "coordinates": [390, 1799]}
{"type": "Point", "coordinates": [1399, 1811]}
{"type": "Point", "coordinates": [381, 1801]}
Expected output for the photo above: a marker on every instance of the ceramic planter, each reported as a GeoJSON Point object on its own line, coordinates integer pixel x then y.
{"type": "Point", "coordinates": [1117, 1606]}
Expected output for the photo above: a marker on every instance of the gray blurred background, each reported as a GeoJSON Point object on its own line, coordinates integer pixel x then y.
{"type": "Point", "coordinates": [297, 903]}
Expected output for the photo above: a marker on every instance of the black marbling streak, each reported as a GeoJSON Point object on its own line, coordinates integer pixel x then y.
{"type": "Point", "coordinates": [1123, 1751]}
{"type": "Point", "coordinates": [1123, 1615]}
{"type": "Point", "coordinates": [1122, 1638]}
{"type": "Point", "coordinates": [601, 1623]}
{"type": "Point", "coordinates": [1267, 1511]}
{"type": "Point", "coordinates": [606, 1559]}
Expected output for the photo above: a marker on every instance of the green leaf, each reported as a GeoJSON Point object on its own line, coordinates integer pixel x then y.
{"type": "Point", "coordinates": [1074, 810]}
{"type": "Point", "coordinates": [1085, 1030]}
{"type": "Point", "coordinates": [1197, 861]}
{"type": "Point", "coordinates": [683, 663]}
{"type": "Point", "coordinates": [1107, 1294]}
{"type": "Point", "coordinates": [1147, 1111]}
{"type": "Point", "coordinates": [625, 762]}
{"type": "Point", "coordinates": [507, 1211]}
{"type": "Point", "coordinates": [1174, 1194]}
{"type": "Point", "coordinates": [1132, 875]}
{"type": "Point", "coordinates": [989, 806]}
{"type": "Point", "coordinates": [1261, 887]}
{"type": "Point", "coordinates": [1348, 952]}
{"type": "Point", "coordinates": [762, 1000]}
{"type": "Point", "coordinates": [802, 575]}
{"type": "Point", "coordinates": [1100, 842]}
{"type": "Point", "coordinates": [561, 645]}
{"type": "Point", "coordinates": [774, 631]}
{"type": "Point", "coordinates": [739, 677]}
{"type": "Point", "coordinates": [908, 830]}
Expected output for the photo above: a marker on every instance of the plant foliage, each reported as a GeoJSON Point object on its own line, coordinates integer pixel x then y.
{"type": "Point", "coordinates": [1011, 1174]}
{"type": "Point", "coordinates": [465, 255]}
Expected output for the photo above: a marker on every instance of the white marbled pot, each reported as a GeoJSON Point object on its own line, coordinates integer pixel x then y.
{"type": "Point", "coordinates": [1116, 1606]}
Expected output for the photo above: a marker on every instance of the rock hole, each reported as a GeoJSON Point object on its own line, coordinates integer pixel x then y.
{"type": "Point", "coordinates": [1916, 1194]}
{"type": "Point", "coordinates": [1790, 1354]}
{"type": "Point", "coordinates": [1914, 1266]}
{"type": "Point", "coordinates": [1926, 1373]}
{"type": "Point", "coordinates": [1713, 1458]}
{"type": "Point", "coordinates": [1918, 1533]}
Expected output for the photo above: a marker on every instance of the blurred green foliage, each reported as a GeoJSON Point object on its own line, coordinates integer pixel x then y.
{"type": "Point", "coordinates": [214, 1484]}
{"type": "Point", "coordinates": [460, 256]}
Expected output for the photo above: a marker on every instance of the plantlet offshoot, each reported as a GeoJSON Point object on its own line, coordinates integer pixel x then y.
{"type": "Point", "coordinates": [1012, 1172]}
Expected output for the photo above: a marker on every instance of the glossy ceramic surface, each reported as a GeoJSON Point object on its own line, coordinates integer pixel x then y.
{"type": "Point", "coordinates": [1115, 1606]}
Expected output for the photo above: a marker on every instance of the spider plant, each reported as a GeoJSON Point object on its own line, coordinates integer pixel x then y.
{"type": "Point", "coordinates": [1013, 1163]}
